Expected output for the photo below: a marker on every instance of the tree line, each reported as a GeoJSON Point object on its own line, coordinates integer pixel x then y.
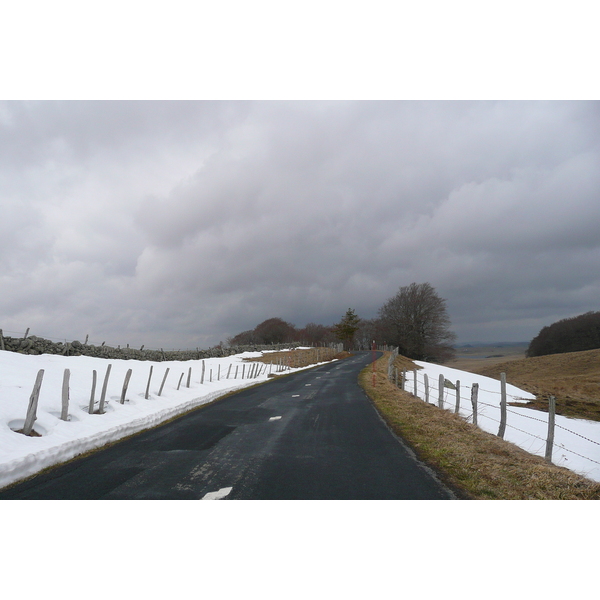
{"type": "Point", "coordinates": [574, 334]}
{"type": "Point", "coordinates": [415, 320]}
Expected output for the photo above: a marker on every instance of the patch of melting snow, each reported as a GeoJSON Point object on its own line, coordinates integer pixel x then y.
{"type": "Point", "coordinates": [218, 495]}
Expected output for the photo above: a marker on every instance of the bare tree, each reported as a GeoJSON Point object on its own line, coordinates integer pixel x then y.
{"type": "Point", "coordinates": [246, 338]}
{"type": "Point", "coordinates": [416, 320]}
{"type": "Point", "coordinates": [275, 331]}
{"type": "Point", "coordinates": [315, 334]}
{"type": "Point", "coordinates": [369, 331]}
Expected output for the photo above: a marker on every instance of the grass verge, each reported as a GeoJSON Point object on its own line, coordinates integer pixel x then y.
{"type": "Point", "coordinates": [299, 357]}
{"type": "Point", "coordinates": [474, 463]}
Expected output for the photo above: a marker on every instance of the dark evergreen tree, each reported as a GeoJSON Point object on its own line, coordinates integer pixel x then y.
{"type": "Point", "coordinates": [346, 328]}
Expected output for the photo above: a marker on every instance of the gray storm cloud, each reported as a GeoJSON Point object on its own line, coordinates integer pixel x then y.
{"type": "Point", "coordinates": [178, 224]}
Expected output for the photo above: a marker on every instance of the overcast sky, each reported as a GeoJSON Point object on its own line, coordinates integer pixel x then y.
{"type": "Point", "coordinates": [178, 224]}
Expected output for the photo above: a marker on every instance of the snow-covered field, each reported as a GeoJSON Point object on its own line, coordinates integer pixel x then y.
{"type": "Point", "coordinates": [22, 456]}
{"type": "Point", "coordinates": [576, 441]}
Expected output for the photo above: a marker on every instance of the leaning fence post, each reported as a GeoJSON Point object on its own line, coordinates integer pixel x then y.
{"type": "Point", "coordinates": [189, 377]}
{"type": "Point", "coordinates": [441, 391]}
{"type": "Point", "coordinates": [426, 387]}
{"type": "Point", "coordinates": [64, 413]}
{"type": "Point", "coordinates": [551, 419]}
{"type": "Point", "coordinates": [148, 384]}
{"type": "Point", "coordinates": [474, 394]}
{"type": "Point", "coordinates": [163, 381]}
{"type": "Point", "coordinates": [33, 402]}
{"type": "Point", "coordinates": [457, 407]}
{"type": "Point", "coordinates": [104, 386]}
{"type": "Point", "coordinates": [125, 386]}
{"type": "Point", "coordinates": [93, 393]}
{"type": "Point", "coordinates": [229, 370]}
{"type": "Point", "coordinates": [502, 427]}
{"type": "Point", "coordinates": [180, 378]}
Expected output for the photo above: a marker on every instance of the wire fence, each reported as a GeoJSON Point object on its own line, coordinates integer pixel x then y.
{"type": "Point", "coordinates": [205, 373]}
{"type": "Point", "coordinates": [472, 408]}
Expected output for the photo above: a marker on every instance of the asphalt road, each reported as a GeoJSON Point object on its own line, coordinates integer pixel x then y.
{"type": "Point", "coordinates": [310, 435]}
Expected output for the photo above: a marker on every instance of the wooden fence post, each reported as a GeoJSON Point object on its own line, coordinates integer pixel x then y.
{"type": "Point", "coordinates": [403, 379]}
{"type": "Point", "coordinates": [189, 377]}
{"type": "Point", "coordinates": [551, 419]}
{"type": "Point", "coordinates": [103, 394]}
{"type": "Point", "coordinates": [426, 388]}
{"type": "Point", "coordinates": [163, 381]}
{"type": "Point", "coordinates": [125, 386]}
{"type": "Point", "coordinates": [229, 370]}
{"type": "Point", "coordinates": [148, 384]}
{"type": "Point", "coordinates": [474, 394]}
{"type": "Point", "coordinates": [457, 407]}
{"type": "Point", "coordinates": [180, 378]}
{"type": "Point", "coordinates": [93, 393]}
{"type": "Point", "coordinates": [33, 402]}
{"type": "Point", "coordinates": [415, 382]}
{"type": "Point", "coordinates": [202, 378]}
{"type": "Point", "coordinates": [502, 427]}
{"type": "Point", "coordinates": [396, 376]}
{"type": "Point", "coordinates": [441, 391]}
{"type": "Point", "coordinates": [236, 371]}
{"type": "Point", "coordinates": [64, 413]}
{"type": "Point", "coordinates": [219, 372]}
{"type": "Point", "coordinates": [243, 370]}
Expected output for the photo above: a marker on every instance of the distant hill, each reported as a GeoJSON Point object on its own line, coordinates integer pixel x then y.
{"type": "Point", "coordinates": [573, 378]}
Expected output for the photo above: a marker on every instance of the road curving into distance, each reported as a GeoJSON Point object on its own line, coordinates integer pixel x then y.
{"type": "Point", "coordinates": [310, 435]}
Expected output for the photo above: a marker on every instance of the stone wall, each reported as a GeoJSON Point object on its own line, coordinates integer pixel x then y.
{"type": "Point", "coordinates": [37, 345]}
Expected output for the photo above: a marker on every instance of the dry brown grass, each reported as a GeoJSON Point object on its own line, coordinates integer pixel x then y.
{"type": "Point", "coordinates": [573, 378]}
{"type": "Point", "coordinates": [476, 464]}
{"type": "Point", "coordinates": [298, 358]}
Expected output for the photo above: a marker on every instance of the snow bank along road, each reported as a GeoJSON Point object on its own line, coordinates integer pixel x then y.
{"type": "Point", "coordinates": [311, 435]}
